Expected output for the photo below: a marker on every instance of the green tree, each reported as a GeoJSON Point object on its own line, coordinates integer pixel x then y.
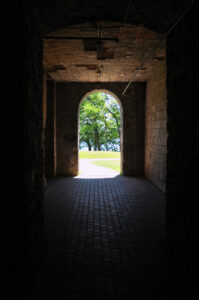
{"type": "Point", "coordinates": [100, 122]}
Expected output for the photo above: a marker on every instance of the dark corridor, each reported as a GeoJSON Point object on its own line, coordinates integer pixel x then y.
{"type": "Point", "coordinates": [105, 240]}
{"type": "Point", "coordinates": [125, 253]}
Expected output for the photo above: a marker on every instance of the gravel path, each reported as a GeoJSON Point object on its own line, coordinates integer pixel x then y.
{"type": "Point", "coordinates": [89, 170]}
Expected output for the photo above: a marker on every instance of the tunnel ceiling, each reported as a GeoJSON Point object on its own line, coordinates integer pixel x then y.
{"type": "Point", "coordinates": [75, 54]}
{"type": "Point", "coordinates": [142, 23]}
{"type": "Point", "coordinates": [157, 15]}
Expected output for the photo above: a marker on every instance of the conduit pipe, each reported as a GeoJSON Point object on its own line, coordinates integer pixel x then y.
{"type": "Point", "coordinates": [126, 13]}
{"type": "Point", "coordinates": [171, 28]}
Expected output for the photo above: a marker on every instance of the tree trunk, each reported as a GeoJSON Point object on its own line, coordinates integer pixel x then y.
{"type": "Point", "coordinates": [97, 140]}
{"type": "Point", "coordinates": [89, 146]}
{"type": "Point", "coordinates": [95, 144]}
{"type": "Point", "coordinates": [106, 144]}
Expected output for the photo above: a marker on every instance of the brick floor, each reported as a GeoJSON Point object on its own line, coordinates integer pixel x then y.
{"type": "Point", "coordinates": [105, 240]}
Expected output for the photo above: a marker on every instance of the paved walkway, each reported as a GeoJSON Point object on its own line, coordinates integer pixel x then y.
{"type": "Point", "coordinates": [105, 240]}
{"type": "Point", "coordinates": [89, 170]}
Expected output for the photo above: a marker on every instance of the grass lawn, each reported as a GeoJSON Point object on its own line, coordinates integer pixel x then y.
{"type": "Point", "coordinates": [98, 154]}
{"type": "Point", "coordinates": [112, 164]}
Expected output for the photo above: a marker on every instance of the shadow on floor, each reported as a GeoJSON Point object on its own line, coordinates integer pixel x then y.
{"type": "Point", "coordinates": [105, 240]}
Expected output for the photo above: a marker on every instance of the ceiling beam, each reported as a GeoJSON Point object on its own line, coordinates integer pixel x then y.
{"type": "Point", "coordinates": [80, 38]}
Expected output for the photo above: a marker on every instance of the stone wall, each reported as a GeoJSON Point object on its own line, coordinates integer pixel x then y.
{"type": "Point", "coordinates": [41, 17]}
{"type": "Point", "coordinates": [182, 160]}
{"type": "Point", "coordinates": [50, 132]}
{"type": "Point", "coordinates": [33, 94]}
{"type": "Point", "coordinates": [156, 126]}
{"type": "Point", "coordinates": [69, 96]}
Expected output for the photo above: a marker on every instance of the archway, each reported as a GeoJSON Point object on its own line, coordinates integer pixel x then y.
{"type": "Point", "coordinates": [100, 128]}
{"type": "Point", "coordinates": [181, 38]}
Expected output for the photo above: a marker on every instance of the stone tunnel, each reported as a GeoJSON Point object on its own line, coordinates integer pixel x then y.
{"type": "Point", "coordinates": [141, 52]}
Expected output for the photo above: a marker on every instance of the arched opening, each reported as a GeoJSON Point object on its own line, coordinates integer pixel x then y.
{"type": "Point", "coordinates": [74, 63]}
{"type": "Point", "coordinates": [179, 176]}
{"type": "Point", "coordinates": [100, 134]}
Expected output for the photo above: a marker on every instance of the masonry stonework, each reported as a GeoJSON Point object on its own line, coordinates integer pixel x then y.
{"type": "Point", "coordinates": [34, 93]}
{"type": "Point", "coordinates": [183, 154]}
{"type": "Point", "coordinates": [50, 134]}
{"type": "Point", "coordinates": [68, 99]}
{"type": "Point", "coordinates": [156, 126]}
{"type": "Point", "coordinates": [42, 17]}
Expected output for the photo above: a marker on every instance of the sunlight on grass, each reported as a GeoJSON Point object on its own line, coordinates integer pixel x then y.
{"type": "Point", "coordinates": [111, 164]}
{"type": "Point", "coordinates": [98, 154]}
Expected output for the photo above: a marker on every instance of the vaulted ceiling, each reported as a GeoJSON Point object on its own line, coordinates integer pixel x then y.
{"type": "Point", "coordinates": [76, 53]}
{"type": "Point", "coordinates": [133, 38]}
{"type": "Point", "coordinates": [157, 15]}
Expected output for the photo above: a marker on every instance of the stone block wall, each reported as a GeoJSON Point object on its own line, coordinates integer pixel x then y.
{"type": "Point", "coordinates": [50, 134]}
{"type": "Point", "coordinates": [34, 96]}
{"type": "Point", "coordinates": [156, 126]}
{"type": "Point", "coordinates": [67, 101]}
{"type": "Point", "coordinates": [68, 97]}
{"type": "Point", "coordinates": [43, 17]}
{"type": "Point", "coordinates": [134, 129]}
{"type": "Point", "coordinates": [182, 158]}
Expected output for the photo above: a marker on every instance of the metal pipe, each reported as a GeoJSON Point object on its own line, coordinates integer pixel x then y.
{"type": "Point", "coordinates": [99, 44]}
{"type": "Point", "coordinates": [155, 47]}
{"type": "Point", "coordinates": [179, 18]}
{"type": "Point", "coordinates": [133, 77]}
{"type": "Point", "coordinates": [126, 13]}
{"type": "Point", "coordinates": [161, 40]}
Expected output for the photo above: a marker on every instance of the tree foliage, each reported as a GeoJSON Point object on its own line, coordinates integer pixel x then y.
{"type": "Point", "coordinates": [100, 123]}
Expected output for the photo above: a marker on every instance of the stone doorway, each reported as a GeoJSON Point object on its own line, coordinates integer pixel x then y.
{"type": "Point", "coordinates": [105, 158]}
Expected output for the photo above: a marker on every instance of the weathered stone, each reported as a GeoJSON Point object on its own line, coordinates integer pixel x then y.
{"type": "Point", "coordinates": [43, 17]}
{"type": "Point", "coordinates": [156, 131]}
{"type": "Point", "coordinates": [134, 44]}
{"type": "Point", "coordinates": [68, 98]}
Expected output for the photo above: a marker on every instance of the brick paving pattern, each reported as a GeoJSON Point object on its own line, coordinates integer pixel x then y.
{"type": "Point", "coordinates": [105, 240]}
